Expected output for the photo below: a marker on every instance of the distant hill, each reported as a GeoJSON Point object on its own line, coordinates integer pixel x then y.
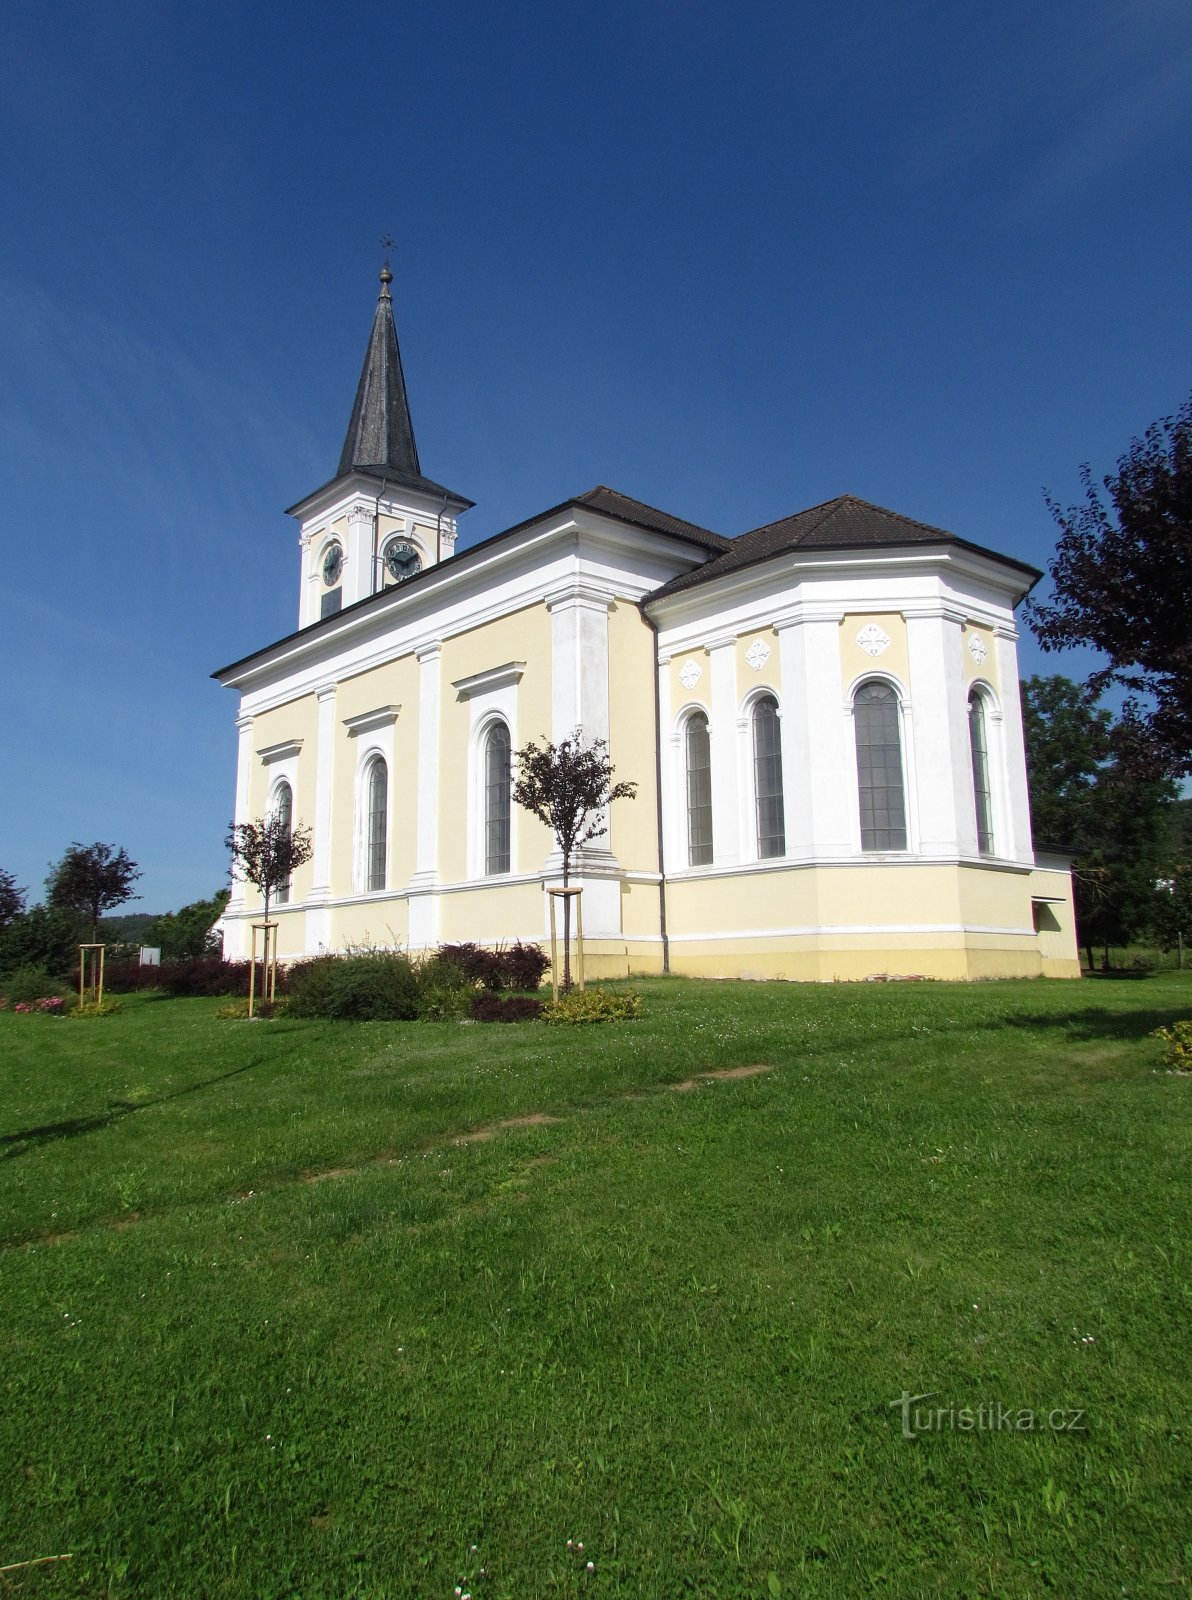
{"type": "Point", "coordinates": [127, 929]}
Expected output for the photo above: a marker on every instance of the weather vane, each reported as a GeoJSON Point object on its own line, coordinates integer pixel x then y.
{"type": "Point", "coordinates": [388, 242]}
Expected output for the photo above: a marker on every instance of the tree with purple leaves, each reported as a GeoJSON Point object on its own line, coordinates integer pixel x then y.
{"type": "Point", "coordinates": [569, 787]}
{"type": "Point", "coordinates": [1122, 581]}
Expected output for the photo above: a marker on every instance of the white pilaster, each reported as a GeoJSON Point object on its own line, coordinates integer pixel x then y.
{"type": "Point", "coordinates": [423, 902]}
{"type": "Point", "coordinates": [818, 767]}
{"type": "Point", "coordinates": [724, 741]}
{"type": "Point", "coordinates": [318, 917]}
{"type": "Point", "coordinates": [941, 764]}
{"type": "Point", "coordinates": [579, 660]}
{"type": "Point", "coordinates": [235, 941]}
{"type": "Point", "coordinates": [1017, 843]}
{"type": "Point", "coordinates": [359, 567]}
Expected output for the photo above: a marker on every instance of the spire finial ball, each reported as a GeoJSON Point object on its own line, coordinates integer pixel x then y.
{"type": "Point", "coordinates": [386, 276]}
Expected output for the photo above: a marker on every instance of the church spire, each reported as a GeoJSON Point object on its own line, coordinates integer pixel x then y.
{"type": "Point", "coordinates": [380, 433]}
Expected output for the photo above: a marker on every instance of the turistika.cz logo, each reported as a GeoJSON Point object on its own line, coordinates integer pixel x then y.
{"type": "Point", "coordinates": [991, 1416]}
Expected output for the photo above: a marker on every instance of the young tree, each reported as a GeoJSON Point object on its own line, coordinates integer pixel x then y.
{"type": "Point", "coordinates": [1122, 578]}
{"type": "Point", "coordinates": [12, 899]}
{"type": "Point", "coordinates": [267, 852]}
{"type": "Point", "coordinates": [1088, 798]}
{"type": "Point", "coordinates": [569, 787]}
{"type": "Point", "coordinates": [91, 879]}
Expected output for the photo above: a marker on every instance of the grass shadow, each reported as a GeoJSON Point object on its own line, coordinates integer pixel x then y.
{"type": "Point", "coordinates": [25, 1139]}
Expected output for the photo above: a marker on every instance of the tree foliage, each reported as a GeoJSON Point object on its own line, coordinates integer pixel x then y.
{"type": "Point", "coordinates": [267, 852]}
{"type": "Point", "coordinates": [91, 879]}
{"type": "Point", "coordinates": [569, 787]}
{"type": "Point", "coordinates": [1088, 799]}
{"type": "Point", "coordinates": [12, 899]}
{"type": "Point", "coordinates": [1122, 579]}
{"type": "Point", "coordinates": [186, 935]}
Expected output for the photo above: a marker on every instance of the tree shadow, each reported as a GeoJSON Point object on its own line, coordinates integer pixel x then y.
{"type": "Point", "coordinates": [1090, 1024]}
{"type": "Point", "coordinates": [16, 1144]}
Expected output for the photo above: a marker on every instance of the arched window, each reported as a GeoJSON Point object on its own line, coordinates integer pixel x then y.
{"type": "Point", "coordinates": [699, 791]}
{"type": "Point", "coordinates": [496, 799]}
{"type": "Point", "coordinates": [879, 768]}
{"type": "Point", "coordinates": [283, 812]}
{"type": "Point", "coordinates": [377, 833]}
{"type": "Point", "coordinates": [982, 793]}
{"type": "Point", "coordinates": [767, 778]}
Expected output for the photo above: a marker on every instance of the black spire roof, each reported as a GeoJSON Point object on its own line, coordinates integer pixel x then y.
{"type": "Point", "coordinates": [380, 438]}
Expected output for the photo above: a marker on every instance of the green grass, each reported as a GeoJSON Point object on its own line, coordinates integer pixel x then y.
{"type": "Point", "coordinates": [668, 1325]}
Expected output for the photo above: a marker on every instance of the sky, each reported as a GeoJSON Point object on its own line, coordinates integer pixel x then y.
{"type": "Point", "coordinates": [731, 259]}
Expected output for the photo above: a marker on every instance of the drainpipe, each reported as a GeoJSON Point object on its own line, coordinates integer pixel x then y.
{"type": "Point", "coordinates": [653, 627]}
{"type": "Point", "coordinates": [439, 531]}
{"type": "Point", "coordinates": [376, 539]}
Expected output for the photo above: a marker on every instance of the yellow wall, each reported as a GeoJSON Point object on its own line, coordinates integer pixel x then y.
{"type": "Point", "coordinates": [296, 720]}
{"type": "Point", "coordinates": [855, 662]}
{"type": "Point", "coordinates": [769, 674]}
{"type": "Point", "coordinates": [987, 670]}
{"type": "Point", "coordinates": [633, 829]}
{"type": "Point", "coordinates": [523, 636]}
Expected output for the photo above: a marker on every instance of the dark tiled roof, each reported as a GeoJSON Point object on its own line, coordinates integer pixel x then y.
{"type": "Point", "coordinates": [845, 523]}
{"type": "Point", "coordinates": [602, 499]}
{"type": "Point", "coordinates": [380, 436]}
{"type": "Point", "coordinates": [626, 509]}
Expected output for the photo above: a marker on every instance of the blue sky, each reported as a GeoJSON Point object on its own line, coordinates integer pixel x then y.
{"type": "Point", "coordinates": [732, 260]}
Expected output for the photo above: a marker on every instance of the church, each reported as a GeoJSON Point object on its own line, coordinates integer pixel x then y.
{"type": "Point", "coordinates": [821, 717]}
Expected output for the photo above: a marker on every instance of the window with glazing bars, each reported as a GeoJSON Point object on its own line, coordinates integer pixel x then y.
{"type": "Point", "coordinates": [982, 795]}
{"type": "Point", "coordinates": [699, 791]}
{"type": "Point", "coordinates": [767, 778]}
{"type": "Point", "coordinates": [283, 811]}
{"type": "Point", "coordinates": [879, 768]}
{"type": "Point", "coordinates": [378, 823]}
{"type": "Point", "coordinates": [496, 799]}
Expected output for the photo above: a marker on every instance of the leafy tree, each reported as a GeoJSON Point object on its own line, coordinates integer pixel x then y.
{"type": "Point", "coordinates": [43, 936]}
{"type": "Point", "coordinates": [12, 899]}
{"type": "Point", "coordinates": [186, 934]}
{"type": "Point", "coordinates": [1087, 798]}
{"type": "Point", "coordinates": [267, 852]}
{"type": "Point", "coordinates": [1122, 577]}
{"type": "Point", "coordinates": [91, 879]}
{"type": "Point", "coordinates": [1172, 921]}
{"type": "Point", "coordinates": [569, 787]}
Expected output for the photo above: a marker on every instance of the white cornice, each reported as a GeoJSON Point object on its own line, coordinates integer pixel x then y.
{"type": "Point", "coordinates": [493, 678]}
{"type": "Point", "coordinates": [370, 721]}
{"type": "Point", "coordinates": [279, 752]}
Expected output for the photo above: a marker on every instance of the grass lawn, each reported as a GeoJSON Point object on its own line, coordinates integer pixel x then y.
{"type": "Point", "coordinates": [273, 1324]}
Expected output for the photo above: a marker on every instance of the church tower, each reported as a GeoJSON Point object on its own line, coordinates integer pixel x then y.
{"type": "Point", "coordinates": [379, 521]}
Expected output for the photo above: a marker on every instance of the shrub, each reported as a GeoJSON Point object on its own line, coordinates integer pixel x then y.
{"type": "Point", "coordinates": [1178, 1039]}
{"type": "Point", "coordinates": [31, 983]}
{"type": "Point", "coordinates": [105, 1008]}
{"type": "Point", "coordinates": [52, 1005]}
{"type": "Point", "coordinates": [516, 966]}
{"type": "Point", "coordinates": [593, 1005]}
{"type": "Point", "coordinates": [198, 976]}
{"type": "Point", "coordinates": [487, 1007]}
{"type": "Point", "coordinates": [444, 990]}
{"type": "Point", "coordinates": [375, 987]}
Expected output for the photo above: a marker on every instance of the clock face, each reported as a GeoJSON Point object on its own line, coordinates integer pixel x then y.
{"type": "Point", "coordinates": [401, 560]}
{"type": "Point", "coordinates": [333, 565]}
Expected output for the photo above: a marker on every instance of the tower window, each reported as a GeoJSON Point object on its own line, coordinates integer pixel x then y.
{"type": "Point", "coordinates": [283, 811]}
{"type": "Point", "coordinates": [699, 791]}
{"type": "Point", "coordinates": [982, 792]}
{"type": "Point", "coordinates": [767, 778]}
{"type": "Point", "coordinates": [496, 799]}
{"type": "Point", "coordinates": [377, 835]}
{"type": "Point", "coordinates": [879, 768]}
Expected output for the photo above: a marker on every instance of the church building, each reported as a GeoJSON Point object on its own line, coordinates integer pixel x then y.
{"type": "Point", "coordinates": [821, 716]}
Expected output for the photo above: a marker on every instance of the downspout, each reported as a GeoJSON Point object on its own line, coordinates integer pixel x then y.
{"type": "Point", "coordinates": [439, 531]}
{"type": "Point", "coordinates": [376, 539]}
{"type": "Point", "coordinates": [653, 627]}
